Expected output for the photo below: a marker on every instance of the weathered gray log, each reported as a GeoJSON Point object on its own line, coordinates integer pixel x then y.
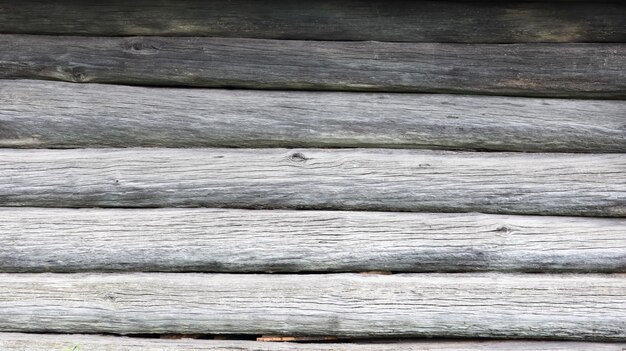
{"type": "Point", "coordinates": [79, 342]}
{"type": "Point", "coordinates": [397, 20]}
{"type": "Point", "coordinates": [367, 179]}
{"type": "Point", "coordinates": [557, 70]}
{"type": "Point", "coordinates": [61, 115]}
{"type": "Point", "coordinates": [214, 240]}
{"type": "Point", "coordinates": [580, 307]}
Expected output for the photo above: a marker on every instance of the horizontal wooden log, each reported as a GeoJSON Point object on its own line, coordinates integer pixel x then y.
{"type": "Point", "coordinates": [368, 179]}
{"type": "Point", "coordinates": [214, 240]}
{"type": "Point", "coordinates": [44, 114]}
{"type": "Point", "coordinates": [78, 342]}
{"type": "Point", "coordinates": [581, 307]}
{"type": "Point", "coordinates": [557, 70]}
{"type": "Point", "coordinates": [398, 20]}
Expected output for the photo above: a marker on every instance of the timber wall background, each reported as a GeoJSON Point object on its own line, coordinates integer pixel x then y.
{"type": "Point", "coordinates": [246, 163]}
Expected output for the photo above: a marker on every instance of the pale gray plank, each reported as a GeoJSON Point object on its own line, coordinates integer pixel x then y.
{"type": "Point", "coordinates": [49, 342]}
{"type": "Point", "coordinates": [382, 20]}
{"type": "Point", "coordinates": [41, 114]}
{"type": "Point", "coordinates": [581, 307]}
{"type": "Point", "coordinates": [215, 240]}
{"type": "Point", "coordinates": [556, 70]}
{"type": "Point", "coordinates": [352, 179]}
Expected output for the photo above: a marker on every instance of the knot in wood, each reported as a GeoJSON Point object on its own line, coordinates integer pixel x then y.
{"type": "Point", "coordinates": [298, 157]}
{"type": "Point", "coordinates": [133, 44]}
{"type": "Point", "coordinates": [77, 74]}
{"type": "Point", "coordinates": [109, 297]}
{"type": "Point", "coordinates": [502, 229]}
{"type": "Point", "coordinates": [140, 45]}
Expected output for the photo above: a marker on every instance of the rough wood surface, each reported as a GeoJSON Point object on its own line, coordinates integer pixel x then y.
{"type": "Point", "coordinates": [557, 70]}
{"type": "Point", "coordinates": [41, 114]}
{"type": "Point", "coordinates": [382, 20]}
{"type": "Point", "coordinates": [48, 342]}
{"type": "Point", "coordinates": [215, 240]}
{"type": "Point", "coordinates": [581, 307]}
{"type": "Point", "coordinates": [351, 179]}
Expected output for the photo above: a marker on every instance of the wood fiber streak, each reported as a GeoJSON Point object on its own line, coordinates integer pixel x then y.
{"type": "Point", "coordinates": [395, 20]}
{"type": "Point", "coordinates": [47, 342]}
{"type": "Point", "coordinates": [553, 70]}
{"type": "Point", "coordinates": [353, 179]}
{"type": "Point", "coordinates": [42, 114]}
{"type": "Point", "coordinates": [216, 240]}
{"type": "Point", "coordinates": [581, 307]}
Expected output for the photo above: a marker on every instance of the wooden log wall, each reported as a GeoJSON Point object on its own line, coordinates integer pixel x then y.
{"type": "Point", "coordinates": [356, 172]}
{"type": "Point", "coordinates": [580, 70]}
{"type": "Point", "coordinates": [287, 241]}
{"type": "Point", "coordinates": [21, 342]}
{"type": "Point", "coordinates": [379, 20]}
{"type": "Point", "coordinates": [344, 305]}
{"type": "Point", "coordinates": [123, 116]}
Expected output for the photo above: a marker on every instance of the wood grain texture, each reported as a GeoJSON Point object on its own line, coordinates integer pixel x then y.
{"type": "Point", "coordinates": [351, 179]}
{"type": "Point", "coordinates": [556, 70]}
{"type": "Point", "coordinates": [581, 307]}
{"type": "Point", "coordinates": [215, 240]}
{"type": "Point", "coordinates": [48, 342]}
{"type": "Point", "coordinates": [396, 20]}
{"type": "Point", "coordinates": [41, 114]}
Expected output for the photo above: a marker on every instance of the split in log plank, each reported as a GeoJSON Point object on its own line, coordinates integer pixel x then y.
{"type": "Point", "coordinates": [554, 70]}
{"type": "Point", "coordinates": [215, 240]}
{"type": "Point", "coordinates": [48, 342]}
{"type": "Point", "coordinates": [350, 179]}
{"type": "Point", "coordinates": [398, 20]}
{"type": "Point", "coordinates": [41, 114]}
{"type": "Point", "coordinates": [578, 307]}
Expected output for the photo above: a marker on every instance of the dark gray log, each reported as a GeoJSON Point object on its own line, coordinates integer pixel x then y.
{"type": "Point", "coordinates": [557, 70]}
{"type": "Point", "coordinates": [577, 307]}
{"type": "Point", "coordinates": [40, 114]}
{"type": "Point", "coordinates": [213, 240]}
{"type": "Point", "coordinates": [50, 342]}
{"type": "Point", "coordinates": [367, 179]}
{"type": "Point", "coordinates": [382, 20]}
